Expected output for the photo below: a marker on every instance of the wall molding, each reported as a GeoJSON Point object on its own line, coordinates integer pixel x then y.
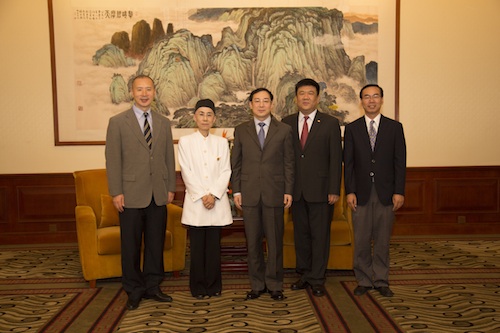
{"type": "Point", "coordinates": [39, 208]}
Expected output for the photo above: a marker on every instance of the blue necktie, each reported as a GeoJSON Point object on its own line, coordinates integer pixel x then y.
{"type": "Point", "coordinates": [262, 134]}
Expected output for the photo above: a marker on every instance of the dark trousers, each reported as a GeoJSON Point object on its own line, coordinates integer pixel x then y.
{"type": "Point", "coordinates": [311, 230]}
{"type": "Point", "coordinates": [263, 221]}
{"type": "Point", "coordinates": [372, 223]}
{"type": "Point", "coordinates": [136, 223]}
{"type": "Point", "coordinates": [205, 276]}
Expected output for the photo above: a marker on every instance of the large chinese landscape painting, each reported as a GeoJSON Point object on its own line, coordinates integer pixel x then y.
{"type": "Point", "coordinates": [221, 54]}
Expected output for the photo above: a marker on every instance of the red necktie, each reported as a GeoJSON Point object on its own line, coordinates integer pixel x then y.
{"type": "Point", "coordinates": [305, 132]}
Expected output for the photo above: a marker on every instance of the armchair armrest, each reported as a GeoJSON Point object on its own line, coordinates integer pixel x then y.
{"type": "Point", "coordinates": [86, 230]}
{"type": "Point", "coordinates": [179, 234]}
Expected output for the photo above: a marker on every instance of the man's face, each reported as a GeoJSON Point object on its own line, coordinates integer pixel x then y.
{"type": "Point", "coordinates": [307, 99]}
{"type": "Point", "coordinates": [261, 105]}
{"type": "Point", "coordinates": [143, 92]}
{"type": "Point", "coordinates": [204, 118]}
{"type": "Point", "coordinates": [372, 101]}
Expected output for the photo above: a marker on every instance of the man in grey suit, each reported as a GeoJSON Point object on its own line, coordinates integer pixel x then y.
{"type": "Point", "coordinates": [141, 177]}
{"type": "Point", "coordinates": [375, 175]}
{"type": "Point", "coordinates": [262, 182]}
{"type": "Point", "coordinates": [318, 171]}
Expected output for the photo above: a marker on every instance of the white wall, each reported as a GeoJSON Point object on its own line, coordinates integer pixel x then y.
{"type": "Point", "coordinates": [450, 70]}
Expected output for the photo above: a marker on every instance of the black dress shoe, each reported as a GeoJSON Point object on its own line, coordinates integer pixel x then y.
{"type": "Point", "coordinates": [253, 294]}
{"type": "Point", "coordinates": [132, 304]}
{"type": "Point", "coordinates": [159, 297]}
{"type": "Point", "coordinates": [385, 291]}
{"type": "Point", "coordinates": [299, 284]}
{"type": "Point", "coordinates": [361, 290]}
{"type": "Point", "coordinates": [277, 295]}
{"type": "Point", "coordinates": [318, 290]}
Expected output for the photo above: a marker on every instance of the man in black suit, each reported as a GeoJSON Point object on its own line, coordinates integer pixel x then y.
{"type": "Point", "coordinates": [375, 175]}
{"type": "Point", "coordinates": [318, 167]}
{"type": "Point", "coordinates": [262, 182]}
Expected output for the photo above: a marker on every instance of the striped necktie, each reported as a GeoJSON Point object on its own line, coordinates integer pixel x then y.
{"type": "Point", "coordinates": [147, 131]}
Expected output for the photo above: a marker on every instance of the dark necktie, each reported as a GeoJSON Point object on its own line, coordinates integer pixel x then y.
{"type": "Point", "coordinates": [305, 132]}
{"type": "Point", "coordinates": [262, 134]}
{"type": "Point", "coordinates": [147, 131]}
{"type": "Point", "coordinates": [373, 134]}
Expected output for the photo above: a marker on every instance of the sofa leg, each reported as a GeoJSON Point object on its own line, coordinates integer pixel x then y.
{"type": "Point", "coordinates": [92, 283]}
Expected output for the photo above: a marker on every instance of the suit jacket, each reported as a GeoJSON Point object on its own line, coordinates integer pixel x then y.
{"type": "Point", "coordinates": [133, 169]}
{"type": "Point", "coordinates": [266, 173]}
{"type": "Point", "coordinates": [318, 167]}
{"type": "Point", "coordinates": [205, 168]}
{"type": "Point", "coordinates": [386, 164]}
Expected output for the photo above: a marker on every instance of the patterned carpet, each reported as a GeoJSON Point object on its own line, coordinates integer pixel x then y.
{"type": "Point", "coordinates": [449, 285]}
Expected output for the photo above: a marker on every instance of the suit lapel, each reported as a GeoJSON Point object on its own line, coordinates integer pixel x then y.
{"type": "Point", "coordinates": [253, 133]}
{"type": "Point", "coordinates": [380, 131]}
{"type": "Point", "coordinates": [157, 128]}
{"type": "Point", "coordinates": [271, 131]}
{"type": "Point", "coordinates": [136, 129]}
{"type": "Point", "coordinates": [315, 128]}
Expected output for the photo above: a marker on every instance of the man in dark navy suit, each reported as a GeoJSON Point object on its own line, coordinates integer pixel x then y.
{"type": "Point", "coordinates": [375, 175]}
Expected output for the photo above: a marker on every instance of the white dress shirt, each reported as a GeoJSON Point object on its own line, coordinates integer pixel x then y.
{"type": "Point", "coordinates": [310, 121]}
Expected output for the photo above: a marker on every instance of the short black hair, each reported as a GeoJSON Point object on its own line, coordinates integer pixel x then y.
{"type": "Point", "coordinates": [371, 85]}
{"type": "Point", "coordinates": [307, 82]}
{"type": "Point", "coordinates": [259, 90]}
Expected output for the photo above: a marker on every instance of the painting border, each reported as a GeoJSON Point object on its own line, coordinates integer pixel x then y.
{"type": "Point", "coordinates": [59, 90]}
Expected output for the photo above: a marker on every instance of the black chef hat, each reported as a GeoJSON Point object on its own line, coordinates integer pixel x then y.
{"type": "Point", "coordinates": [205, 103]}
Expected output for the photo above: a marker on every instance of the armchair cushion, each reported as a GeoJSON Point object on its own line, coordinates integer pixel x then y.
{"type": "Point", "coordinates": [108, 240]}
{"type": "Point", "coordinates": [109, 214]}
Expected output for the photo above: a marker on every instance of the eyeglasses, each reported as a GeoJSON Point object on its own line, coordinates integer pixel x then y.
{"type": "Point", "coordinates": [374, 96]}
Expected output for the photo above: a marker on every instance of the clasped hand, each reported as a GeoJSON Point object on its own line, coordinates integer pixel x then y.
{"type": "Point", "coordinates": [208, 201]}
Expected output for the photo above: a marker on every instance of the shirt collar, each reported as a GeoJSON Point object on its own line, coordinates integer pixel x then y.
{"type": "Point", "coordinates": [138, 112]}
{"type": "Point", "coordinates": [266, 121]}
{"type": "Point", "coordinates": [376, 119]}
{"type": "Point", "coordinates": [311, 116]}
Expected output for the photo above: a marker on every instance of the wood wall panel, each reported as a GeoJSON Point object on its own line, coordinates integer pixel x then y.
{"type": "Point", "coordinates": [46, 203]}
{"type": "Point", "coordinates": [4, 218]}
{"type": "Point", "coordinates": [414, 196]}
{"type": "Point", "coordinates": [39, 208]}
{"type": "Point", "coordinates": [456, 201]}
{"type": "Point", "coordinates": [466, 195]}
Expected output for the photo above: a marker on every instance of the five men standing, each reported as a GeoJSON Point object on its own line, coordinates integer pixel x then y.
{"type": "Point", "coordinates": [273, 164]}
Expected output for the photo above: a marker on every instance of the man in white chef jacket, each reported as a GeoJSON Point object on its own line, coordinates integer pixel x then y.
{"type": "Point", "coordinates": [206, 169]}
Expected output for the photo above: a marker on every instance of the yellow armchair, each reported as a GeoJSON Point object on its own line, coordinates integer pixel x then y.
{"type": "Point", "coordinates": [341, 237]}
{"type": "Point", "coordinates": [98, 230]}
